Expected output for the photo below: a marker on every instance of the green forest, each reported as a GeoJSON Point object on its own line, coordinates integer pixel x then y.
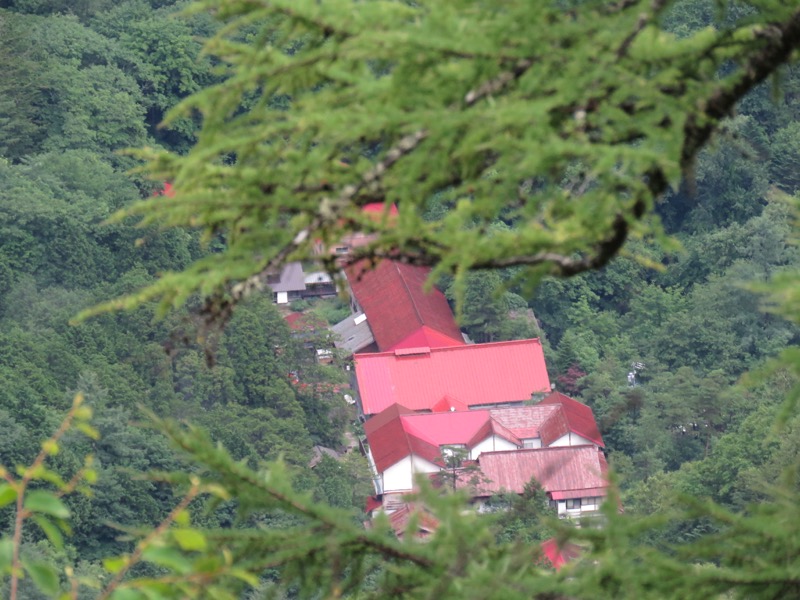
{"type": "Point", "coordinates": [674, 342]}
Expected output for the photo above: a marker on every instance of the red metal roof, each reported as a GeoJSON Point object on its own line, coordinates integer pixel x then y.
{"type": "Point", "coordinates": [448, 428]}
{"type": "Point", "coordinates": [401, 518]}
{"type": "Point", "coordinates": [372, 503]}
{"type": "Point", "coordinates": [392, 435]}
{"type": "Point", "coordinates": [579, 417]}
{"type": "Point", "coordinates": [167, 190]}
{"type": "Point", "coordinates": [554, 427]}
{"type": "Point", "coordinates": [425, 337]}
{"type": "Point", "coordinates": [401, 313]}
{"type": "Point", "coordinates": [385, 416]}
{"type": "Point", "coordinates": [524, 421]}
{"type": "Point", "coordinates": [566, 471]}
{"type": "Point", "coordinates": [392, 440]}
{"type": "Point", "coordinates": [448, 404]}
{"type": "Point", "coordinates": [379, 207]}
{"type": "Point", "coordinates": [478, 374]}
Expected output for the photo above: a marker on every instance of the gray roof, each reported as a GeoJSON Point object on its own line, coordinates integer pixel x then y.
{"type": "Point", "coordinates": [353, 333]}
{"type": "Point", "coordinates": [292, 279]}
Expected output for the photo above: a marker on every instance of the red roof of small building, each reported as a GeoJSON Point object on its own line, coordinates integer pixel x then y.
{"type": "Point", "coordinates": [167, 191]}
{"type": "Point", "coordinates": [303, 322]}
{"type": "Point", "coordinates": [579, 417]}
{"type": "Point", "coordinates": [558, 554]}
{"type": "Point", "coordinates": [401, 313]}
{"type": "Point", "coordinates": [479, 374]}
{"type": "Point", "coordinates": [401, 518]}
{"type": "Point", "coordinates": [379, 207]}
{"type": "Point", "coordinates": [563, 471]}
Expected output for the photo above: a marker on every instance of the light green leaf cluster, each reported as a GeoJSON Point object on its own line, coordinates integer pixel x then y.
{"type": "Point", "coordinates": [44, 506]}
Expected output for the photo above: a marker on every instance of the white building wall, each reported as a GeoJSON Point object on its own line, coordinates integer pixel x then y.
{"type": "Point", "coordinates": [491, 444]}
{"type": "Point", "coordinates": [588, 505]}
{"type": "Point", "coordinates": [420, 465]}
{"type": "Point", "coordinates": [572, 439]}
{"type": "Point", "coordinates": [400, 476]}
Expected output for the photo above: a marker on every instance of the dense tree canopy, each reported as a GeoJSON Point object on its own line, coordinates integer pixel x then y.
{"type": "Point", "coordinates": [536, 137]}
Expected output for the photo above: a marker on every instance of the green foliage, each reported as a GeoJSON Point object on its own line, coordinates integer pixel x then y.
{"type": "Point", "coordinates": [43, 505]}
{"type": "Point", "coordinates": [468, 114]}
{"type": "Point", "coordinates": [528, 136]}
{"type": "Point", "coordinates": [525, 518]}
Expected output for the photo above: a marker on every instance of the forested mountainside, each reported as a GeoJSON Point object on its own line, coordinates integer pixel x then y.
{"type": "Point", "coordinates": [80, 81]}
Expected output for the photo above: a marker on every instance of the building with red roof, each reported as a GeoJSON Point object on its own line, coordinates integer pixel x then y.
{"type": "Point", "coordinates": [301, 323]}
{"type": "Point", "coordinates": [375, 211]}
{"type": "Point", "coordinates": [557, 554]}
{"type": "Point", "coordinates": [443, 378]}
{"type": "Point", "coordinates": [574, 477]}
{"type": "Point", "coordinates": [402, 443]}
{"type": "Point", "coordinates": [400, 311]}
{"type": "Point", "coordinates": [579, 419]}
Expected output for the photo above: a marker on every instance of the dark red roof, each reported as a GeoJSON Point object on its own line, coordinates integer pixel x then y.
{"type": "Point", "coordinates": [524, 421]}
{"type": "Point", "coordinates": [579, 417]}
{"type": "Point", "coordinates": [401, 313]}
{"type": "Point", "coordinates": [391, 440]}
{"type": "Point", "coordinates": [400, 519]}
{"type": "Point", "coordinates": [554, 427]}
{"type": "Point", "coordinates": [475, 375]}
{"type": "Point", "coordinates": [385, 416]}
{"type": "Point", "coordinates": [563, 471]}
{"type": "Point", "coordinates": [303, 322]}
{"type": "Point", "coordinates": [373, 502]}
{"type": "Point", "coordinates": [558, 554]}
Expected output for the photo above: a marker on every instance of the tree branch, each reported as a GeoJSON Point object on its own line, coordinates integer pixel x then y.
{"type": "Point", "coordinates": [498, 83]}
{"type": "Point", "coordinates": [781, 41]}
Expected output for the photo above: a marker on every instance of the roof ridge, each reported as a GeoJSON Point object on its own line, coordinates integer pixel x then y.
{"type": "Point", "coordinates": [408, 291]}
{"type": "Point", "coordinates": [458, 347]}
{"type": "Point", "coordinates": [542, 449]}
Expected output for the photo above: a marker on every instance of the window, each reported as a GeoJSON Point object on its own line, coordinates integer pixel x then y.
{"type": "Point", "coordinates": [454, 454]}
{"type": "Point", "coordinates": [532, 443]}
{"type": "Point", "coordinates": [573, 503]}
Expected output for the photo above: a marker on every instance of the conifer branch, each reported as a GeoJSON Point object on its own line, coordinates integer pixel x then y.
{"type": "Point", "coordinates": [328, 213]}
{"type": "Point", "coordinates": [498, 83]}
{"type": "Point", "coordinates": [643, 20]}
{"type": "Point", "coordinates": [136, 556]}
